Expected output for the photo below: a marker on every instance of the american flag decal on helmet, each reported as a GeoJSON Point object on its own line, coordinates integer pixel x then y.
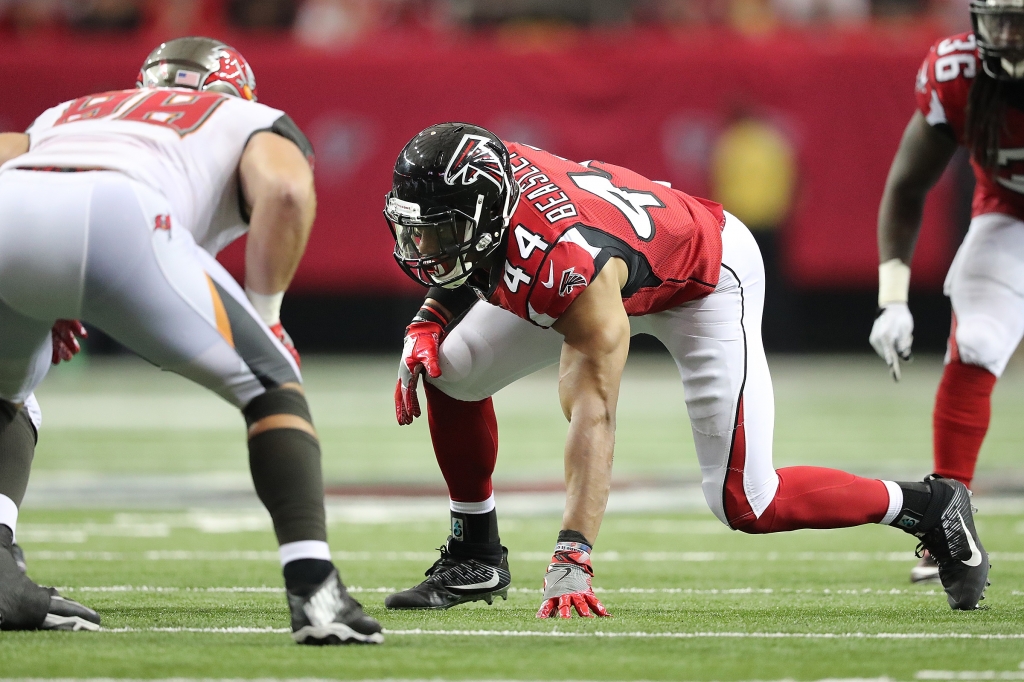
{"type": "Point", "coordinates": [475, 158]}
{"type": "Point", "coordinates": [570, 280]}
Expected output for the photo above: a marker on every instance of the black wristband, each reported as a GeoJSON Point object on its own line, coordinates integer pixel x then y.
{"type": "Point", "coordinates": [428, 313]}
{"type": "Point", "coordinates": [455, 301]}
{"type": "Point", "coordinates": [573, 536]}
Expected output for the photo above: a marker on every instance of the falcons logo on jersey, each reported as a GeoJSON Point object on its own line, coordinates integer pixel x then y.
{"type": "Point", "coordinates": [570, 280]}
{"type": "Point", "coordinates": [475, 158]}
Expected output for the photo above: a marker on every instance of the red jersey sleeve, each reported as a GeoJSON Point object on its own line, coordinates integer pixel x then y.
{"type": "Point", "coordinates": [567, 272]}
{"type": "Point", "coordinates": [944, 81]}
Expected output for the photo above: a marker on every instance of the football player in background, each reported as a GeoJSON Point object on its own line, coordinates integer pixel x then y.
{"type": "Point", "coordinates": [569, 260]}
{"type": "Point", "coordinates": [970, 92]}
{"type": "Point", "coordinates": [114, 208]}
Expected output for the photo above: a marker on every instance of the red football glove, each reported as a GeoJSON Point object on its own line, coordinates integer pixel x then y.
{"type": "Point", "coordinates": [567, 584]}
{"type": "Point", "coordinates": [420, 353]}
{"type": "Point", "coordinates": [282, 336]}
{"type": "Point", "coordinates": [65, 345]}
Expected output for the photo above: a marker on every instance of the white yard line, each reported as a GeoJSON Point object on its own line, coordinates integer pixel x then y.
{"type": "Point", "coordinates": [599, 634]}
{"type": "Point", "coordinates": [969, 675]}
{"type": "Point", "coordinates": [609, 556]}
{"type": "Point", "coordinates": [731, 591]}
{"type": "Point", "coordinates": [311, 679]}
{"type": "Point", "coordinates": [157, 588]}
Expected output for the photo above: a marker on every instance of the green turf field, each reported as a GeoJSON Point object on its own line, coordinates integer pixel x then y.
{"type": "Point", "coordinates": [192, 590]}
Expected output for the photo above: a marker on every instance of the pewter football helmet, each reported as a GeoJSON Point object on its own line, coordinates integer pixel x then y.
{"type": "Point", "coordinates": [200, 64]}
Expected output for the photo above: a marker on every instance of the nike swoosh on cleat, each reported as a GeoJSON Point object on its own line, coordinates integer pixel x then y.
{"type": "Point", "coordinates": [975, 558]}
{"type": "Point", "coordinates": [493, 582]}
{"type": "Point", "coordinates": [551, 276]}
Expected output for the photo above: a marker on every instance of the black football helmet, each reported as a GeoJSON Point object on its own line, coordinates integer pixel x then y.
{"type": "Point", "coordinates": [200, 64]}
{"type": "Point", "coordinates": [999, 32]}
{"type": "Point", "coordinates": [450, 203]}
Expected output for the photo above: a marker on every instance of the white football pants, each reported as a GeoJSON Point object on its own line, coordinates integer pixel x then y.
{"type": "Point", "coordinates": [985, 285]}
{"type": "Point", "coordinates": [716, 344]}
{"type": "Point", "coordinates": [100, 247]}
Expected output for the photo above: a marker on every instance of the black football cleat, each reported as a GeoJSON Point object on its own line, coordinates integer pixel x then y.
{"type": "Point", "coordinates": [27, 606]}
{"type": "Point", "coordinates": [954, 544]}
{"type": "Point", "coordinates": [453, 580]}
{"type": "Point", "coordinates": [329, 615]}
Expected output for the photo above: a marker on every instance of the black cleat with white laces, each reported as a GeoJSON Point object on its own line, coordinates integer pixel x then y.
{"type": "Point", "coordinates": [456, 580]}
{"type": "Point", "coordinates": [949, 536]}
{"type": "Point", "coordinates": [328, 615]}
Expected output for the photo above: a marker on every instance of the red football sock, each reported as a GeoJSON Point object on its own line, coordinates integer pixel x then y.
{"type": "Point", "coordinates": [807, 497]}
{"type": "Point", "coordinates": [963, 407]}
{"type": "Point", "coordinates": [814, 497]}
{"type": "Point", "coordinates": [465, 438]}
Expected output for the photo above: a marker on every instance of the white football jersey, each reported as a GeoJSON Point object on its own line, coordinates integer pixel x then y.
{"type": "Point", "coordinates": [184, 144]}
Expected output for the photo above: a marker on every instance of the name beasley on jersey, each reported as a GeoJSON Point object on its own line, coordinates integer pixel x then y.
{"type": "Point", "coordinates": [550, 201]}
{"type": "Point", "coordinates": [555, 207]}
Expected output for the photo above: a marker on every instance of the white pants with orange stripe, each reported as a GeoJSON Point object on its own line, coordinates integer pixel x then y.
{"type": "Point", "coordinates": [985, 285]}
{"type": "Point", "coordinates": [716, 344]}
{"type": "Point", "coordinates": [100, 247]}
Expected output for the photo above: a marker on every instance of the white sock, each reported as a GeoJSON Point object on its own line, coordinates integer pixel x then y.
{"type": "Point", "coordinates": [895, 502]}
{"type": "Point", "coordinates": [304, 549]}
{"type": "Point", "coordinates": [9, 514]}
{"type": "Point", "coordinates": [472, 507]}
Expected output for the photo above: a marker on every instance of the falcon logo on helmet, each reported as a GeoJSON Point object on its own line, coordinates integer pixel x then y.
{"type": "Point", "coordinates": [445, 223]}
{"type": "Point", "coordinates": [475, 158]}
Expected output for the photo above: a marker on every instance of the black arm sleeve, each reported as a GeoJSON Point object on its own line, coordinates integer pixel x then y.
{"type": "Point", "coordinates": [286, 128]}
{"type": "Point", "coordinates": [456, 301]}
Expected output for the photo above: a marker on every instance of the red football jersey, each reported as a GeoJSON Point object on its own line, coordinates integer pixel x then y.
{"type": "Point", "coordinates": [943, 84]}
{"type": "Point", "coordinates": [572, 218]}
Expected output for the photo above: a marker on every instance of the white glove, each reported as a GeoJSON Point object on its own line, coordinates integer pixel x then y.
{"type": "Point", "coordinates": [892, 335]}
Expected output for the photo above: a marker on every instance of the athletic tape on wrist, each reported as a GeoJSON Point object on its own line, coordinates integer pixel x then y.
{"type": "Point", "coordinates": [268, 306]}
{"type": "Point", "coordinates": [572, 547]}
{"type": "Point", "coordinates": [893, 282]}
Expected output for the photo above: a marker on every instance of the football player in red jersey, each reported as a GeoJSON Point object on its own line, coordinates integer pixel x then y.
{"type": "Point", "coordinates": [569, 260]}
{"type": "Point", "coordinates": [970, 92]}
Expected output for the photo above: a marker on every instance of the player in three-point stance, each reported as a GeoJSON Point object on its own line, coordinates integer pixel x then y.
{"type": "Point", "coordinates": [970, 92]}
{"type": "Point", "coordinates": [569, 260]}
{"type": "Point", "coordinates": [114, 207]}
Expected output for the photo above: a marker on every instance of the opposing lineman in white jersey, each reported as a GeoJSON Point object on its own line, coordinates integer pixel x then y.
{"type": "Point", "coordinates": [114, 207]}
{"type": "Point", "coordinates": [182, 143]}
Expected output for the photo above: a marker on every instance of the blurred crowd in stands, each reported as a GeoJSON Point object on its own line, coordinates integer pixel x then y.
{"type": "Point", "coordinates": [339, 22]}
